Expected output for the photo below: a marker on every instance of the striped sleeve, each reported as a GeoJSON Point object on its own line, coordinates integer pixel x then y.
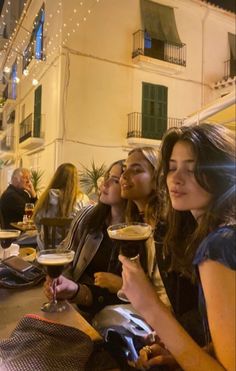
{"type": "Point", "coordinates": [69, 240]}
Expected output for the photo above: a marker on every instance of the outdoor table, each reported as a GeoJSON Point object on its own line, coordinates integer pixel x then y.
{"type": "Point", "coordinates": [15, 303]}
{"type": "Point", "coordinates": [23, 227]}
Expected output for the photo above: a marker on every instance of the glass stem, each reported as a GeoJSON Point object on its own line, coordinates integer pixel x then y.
{"type": "Point", "coordinates": [4, 255]}
{"type": "Point", "coordinates": [54, 296]}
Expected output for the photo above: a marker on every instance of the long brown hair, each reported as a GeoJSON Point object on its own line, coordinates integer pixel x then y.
{"type": "Point", "coordinates": [66, 180]}
{"type": "Point", "coordinates": [151, 212]}
{"type": "Point", "coordinates": [214, 148]}
{"type": "Point", "coordinates": [99, 217]}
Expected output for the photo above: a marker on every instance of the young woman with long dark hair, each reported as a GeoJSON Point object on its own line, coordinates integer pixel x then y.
{"type": "Point", "coordinates": [197, 180]}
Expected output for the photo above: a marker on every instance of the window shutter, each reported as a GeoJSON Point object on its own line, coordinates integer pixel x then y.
{"type": "Point", "coordinates": [154, 111]}
{"type": "Point", "coordinates": [37, 111]}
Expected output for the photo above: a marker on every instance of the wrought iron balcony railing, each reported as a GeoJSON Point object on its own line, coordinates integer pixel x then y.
{"type": "Point", "coordinates": [27, 129]}
{"type": "Point", "coordinates": [143, 44]}
{"type": "Point", "coordinates": [229, 69]}
{"type": "Point", "coordinates": [150, 127]}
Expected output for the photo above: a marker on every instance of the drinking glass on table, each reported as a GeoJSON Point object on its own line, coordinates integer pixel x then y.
{"type": "Point", "coordinates": [29, 209]}
{"type": "Point", "coordinates": [54, 260]}
{"type": "Point", "coordinates": [129, 238]}
{"type": "Point", "coordinates": [7, 236]}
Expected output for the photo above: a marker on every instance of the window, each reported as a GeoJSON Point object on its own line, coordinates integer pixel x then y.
{"type": "Point", "coordinates": [37, 111]}
{"type": "Point", "coordinates": [35, 46]}
{"type": "Point", "coordinates": [159, 36]}
{"type": "Point", "coordinates": [13, 81]}
{"type": "Point", "coordinates": [154, 111]}
{"type": "Point", "coordinates": [232, 61]}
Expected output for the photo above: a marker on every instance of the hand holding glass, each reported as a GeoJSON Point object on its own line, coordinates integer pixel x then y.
{"type": "Point", "coordinates": [130, 238]}
{"type": "Point", "coordinates": [54, 261]}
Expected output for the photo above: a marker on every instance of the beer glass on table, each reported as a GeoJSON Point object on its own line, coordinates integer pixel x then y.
{"type": "Point", "coordinates": [54, 260]}
{"type": "Point", "coordinates": [29, 209]}
{"type": "Point", "coordinates": [130, 238]}
{"type": "Point", "coordinates": [7, 236]}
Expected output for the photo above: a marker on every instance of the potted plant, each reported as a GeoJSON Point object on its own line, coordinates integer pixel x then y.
{"type": "Point", "coordinates": [36, 178]}
{"type": "Point", "coordinates": [89, 178]}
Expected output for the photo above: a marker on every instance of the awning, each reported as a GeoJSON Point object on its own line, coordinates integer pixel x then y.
{"type": "Point", "coordinates": [159, 22]}
{"type": "Point", "coordinates": [221, 111]}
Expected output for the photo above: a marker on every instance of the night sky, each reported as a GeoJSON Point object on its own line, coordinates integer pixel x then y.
{"type": "Point", "coordinates": [225, 4]}
{"type": "Point", "coordinates": [1, 4]}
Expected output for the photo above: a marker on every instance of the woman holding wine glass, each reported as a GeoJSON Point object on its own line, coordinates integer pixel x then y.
{"type": "Point", "coordinates": [140, 186]}
{"type": "Point", "coordinates": [198, 181]}
{"type": "Point", "coordinates": [95, 276]}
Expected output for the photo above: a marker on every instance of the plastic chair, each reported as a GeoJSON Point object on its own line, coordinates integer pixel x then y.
{"type": "Point", "coordinates": [54, 230]}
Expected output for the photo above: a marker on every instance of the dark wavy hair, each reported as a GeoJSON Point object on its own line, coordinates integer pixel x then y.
{"type": "Point", "coordinates": [99, 217]}
{"type": "Point", "coordinates": [214, 149]}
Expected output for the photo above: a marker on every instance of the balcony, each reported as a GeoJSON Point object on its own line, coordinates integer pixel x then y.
{"type": "Point", "coordinates": [148, 130]}
{"type": "Point", "coordinates": [229, 78]}
{"type": "Point", "coordinates": [229, 69]}
{"type": "Point", "coordinates": [30, 137]}
{"type": "Point", "coordinates": [157, 55]}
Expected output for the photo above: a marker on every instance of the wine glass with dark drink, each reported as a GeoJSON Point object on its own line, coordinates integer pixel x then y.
{"type": "Point", "coordinates": [130, 238]}
{"type": "Point", "coordinates": [7, 236]}
{"type": "Point", "coordinates": [29, 209]}
{"type": "Point", "coordinates": [54, 261]}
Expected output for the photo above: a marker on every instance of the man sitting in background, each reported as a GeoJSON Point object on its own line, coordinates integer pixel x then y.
{"type": "Point", "coordinates": [17, 194]}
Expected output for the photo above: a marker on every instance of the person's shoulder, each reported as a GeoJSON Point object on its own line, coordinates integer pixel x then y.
{"type": "Point", "coordinates": [219, 245]}
{"type": "Point", "coordinates": [53, 195]}
{"type": "Point", "coordinates": [82, 213]}
{"type": "Point", "coordinates": [10, 193]}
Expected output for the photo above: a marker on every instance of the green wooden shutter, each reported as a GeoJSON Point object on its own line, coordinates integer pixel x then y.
{"type": "Point", "coordinates": [37, 111]}
{"type": "Point", "coordinates": [154, 111]}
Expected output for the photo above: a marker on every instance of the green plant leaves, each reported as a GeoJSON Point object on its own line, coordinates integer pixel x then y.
{"type": "Point", "coordinates": [90, 176]}
{"type": "Point", "coordinates": [36, 178]}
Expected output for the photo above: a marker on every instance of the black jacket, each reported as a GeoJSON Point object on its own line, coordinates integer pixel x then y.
{"type": "Point", "coordinates": [182, 293]}
{"type": "Point", "coordinates": [12, 204]}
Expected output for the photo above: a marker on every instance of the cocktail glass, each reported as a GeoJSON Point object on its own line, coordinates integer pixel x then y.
{"type": "Point", "coordinates": [54, 261]}
{"type": "Point", "coordinates": [130, 238]}
{"type": "Point", "coordinates": [7, 236]}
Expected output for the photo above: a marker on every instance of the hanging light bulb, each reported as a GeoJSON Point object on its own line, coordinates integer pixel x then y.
{"type": "Point", "coordinates": [26, 72]}
{"type": "Point", "coordinates": [35, 82]}
{"type": "Point", "coordinates": [7, 69]}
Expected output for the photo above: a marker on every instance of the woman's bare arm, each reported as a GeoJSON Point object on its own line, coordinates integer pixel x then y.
{"type": "Point", "coordinates": [187, 353]}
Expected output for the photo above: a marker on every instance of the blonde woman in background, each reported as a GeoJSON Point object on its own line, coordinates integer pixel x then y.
{"type": "Point", "coordinates": [62, 198]}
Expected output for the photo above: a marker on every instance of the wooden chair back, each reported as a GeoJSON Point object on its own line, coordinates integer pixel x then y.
{"type": "Point", "coordinates": [2, 224]}
{"type": "Point", "coordinates": [54, 230]}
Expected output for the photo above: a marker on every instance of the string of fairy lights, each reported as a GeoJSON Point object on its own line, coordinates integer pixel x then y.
{"type": "Point", "coordinates": [14, 49]}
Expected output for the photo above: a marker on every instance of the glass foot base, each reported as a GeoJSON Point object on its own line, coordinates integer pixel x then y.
{"type": "Point", "coordinates": [54, 307]}
{"type": "Point", "coordinates": [122, 296]}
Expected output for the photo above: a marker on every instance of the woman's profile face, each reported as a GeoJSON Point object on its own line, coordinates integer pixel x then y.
{"type": "Point", "coordinates": [110, 193]}
{"type": "Point", "coordinates": [184, 190]}
{"type": "Point", "coordinates": [137, 179]}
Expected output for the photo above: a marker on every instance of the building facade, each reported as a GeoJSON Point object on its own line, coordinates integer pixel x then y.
{"type": "Point", "coordinates": [87, 80]}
